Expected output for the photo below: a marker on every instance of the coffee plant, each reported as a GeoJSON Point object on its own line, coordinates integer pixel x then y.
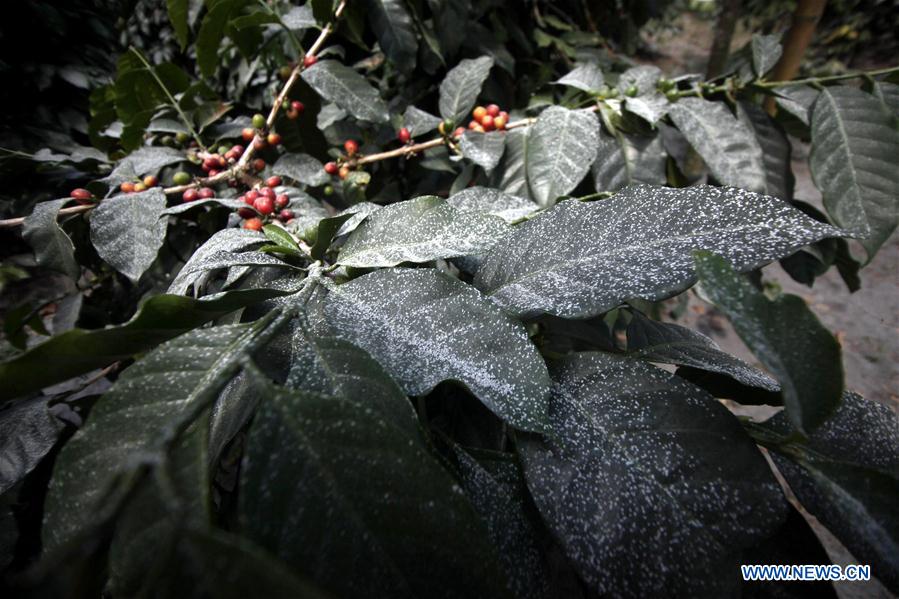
{"type": "Point", "coordinates": [364, 298]}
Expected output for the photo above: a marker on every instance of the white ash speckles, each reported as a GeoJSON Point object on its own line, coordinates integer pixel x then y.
{"type": "Point", "coordinates": [425, 327]}
{"type": "Point", "coordinates": [193, 273]}
{"type": "Point", "coordinates": [581, 259]}
{"type": "Point", "coordinates": [420, 230]}
{"type": "Point", "coordinates": [508, 207]}
{"type": "Point", "coordinates": [651, 483]}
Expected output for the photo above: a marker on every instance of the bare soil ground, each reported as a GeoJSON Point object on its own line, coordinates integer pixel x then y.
{"type": "Point", "coordinates": [865, 322]}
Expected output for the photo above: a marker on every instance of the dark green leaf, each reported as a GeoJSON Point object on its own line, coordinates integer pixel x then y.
{"type": "Point", "coordinates": [624, 159]}
{"type": "Point", "coordinates": [420, 230]}
{"type": "Point", "coordinates": [854, 145]}
{"type": "Point", "coordinates": [484, 149]}
{"type": "Point", "coordinates": [75, 352]}
{"type": "Point", "coordinates": [52, 247]}
{"type": "Point", "coordinates": [356, 503]}
{"type": "Point", "coordinates": [586, 77]}
{"type": "Point", "coordinates": [727, 145]}
{"type": "Point", "coordinates": [393, 27]}
{"type": "Point", "coordinates": [785, 336]}
{"type": "Point", "coordinates": [648, 482]}
{"type": "Point", "coordinates": [29, 432]}
{"type": "Point", "coordinates": [766, 51]}
{"type": "Point", "coordinates": [212, 32]}
{"type": "Point", "coordinates": [425, 327]}
{"type": "Point", "coordinates": [178, 16]}
{"type": "Point", "coordinates": [561, 147]}
{"type": "Point", "coordinates": [459, 90]}
{"type": "Point", "coordinates": [581, 259]}
{"type": "Point", "coordinates": [847, 475]}
{"type": "Point", "coordinates": [326, 231]}
{"type": "Point", "coordinates": [277, 235]}
{"type": "Point", "coordinates": [127, 232]}
{"type": "Point", "coordinates": [302, 168]}
{"type": "Point", "coordinates": [418, 121]}
{"type": "Point", "coordinates": [668, 343]}
{"type": "Point", "coordinates": [775, 150]}
{"type": "Point", "coordinates": [348, 89]}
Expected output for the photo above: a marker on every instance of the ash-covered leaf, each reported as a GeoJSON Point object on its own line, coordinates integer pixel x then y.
{"type": "Point", "coordinates": [484, 149]}
{"type": "Point", "coordinates": [226, 240]}
{"type": "Point", "coordinates": [785, 336]}
{"type": "Point", "coordinates": [420, 230]}
{"type": "Point", "coordinates": [299, 17]}
{"type": "Point", "coordinates": [727, 145]}
{"type": "Point", "coordinates": [775, 147]}
{"type": "Point", "coordinates": [853, 163]}
{"type": "Point", "coordinates": [392, 25]}
{"type": "Point", "coordinates": [302, 168]}
{"type": "Point", "coordinates": [669, 343]}
{"type": "Point", "coordinates": [359, 213]}
{"type": "Point", "coordinates": [508, 207]}
{"type": "Point", "coordinates": [53, 249]}
{"type": "Point", "coordinates": [460, 89]}
{"type": "Point", "coordinates": [581, 259]}
{"type": "Point", "coordinates": [511, 174]}
{"type": "Point", "coordinates": [127, 232]}
{"type": "Point", "coordinates": [650, 485]}
{"type": "Point", "coordinates": [797, 100]}
{"type": "Point", "coordinates": [847, 475]}
{"type": "Point", "coordinates": [766, 51]}
{"type": "Point", "coordinates": [418, 121]}
{"type": "Point", "coordinates": [147, 160]}
{"type": "Point", "coordinates": [586, 77]}
{"type": "Point", "coordinates": [561, 147]}
{"type": "Point", "coordinates": [30, 430]}
{"type": "Point", "coordinates": [348, 89]}
{"type": "Point", "coordinates": [425, 327]}
{"type": "Point", "coordinates": [623, 159]}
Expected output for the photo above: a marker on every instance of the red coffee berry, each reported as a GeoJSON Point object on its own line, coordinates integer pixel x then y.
{"type": "Point", "coordinates": [297, 106]}
{"type": "Point", "coordinates": [250, 196]}
{"type": "Point", "coordinates": [473, 125]}
{"type": "Point", "coordinates": [213, 172]}
{"type": "Point", "coordinates": [259, 165]}
{"type": "Point", "coordinates": [351, 147]}
{"type": "Point", "coordinates": [499, 122]}
{"type": "Point", "coordinates": [273, 181]}
{"type": "Point", "coordinates": [504, 114]}
{"type": "Point", "coordinates": [404, 136]}
{"type": "Point", "coordinates": [285, 215]}
{"type": "Point", "coordinates": [127, 187]}
{"type": "Point", "coordinates": [292, 114]}
{"type": "Point", "coordinates": [237, 149]}
{"type": "Point", "coordinates": [82, 195]}
{"type": "Point", "coordinates": [309, 60]}
{"type": "Point", "coordinates": [264, 205]}
{"type": "Point", "coordinates": [493, 110]}
{"type": "Point", "coordinates": [267, 192]}
{"type": "Point", "coordinates": [487, 123]}
{"type": "Point", "coordinates": [274, 139]}
{"type": "Point", "coordinates": [331, 168]}
{"type": "Point", "coordinates": [478, 113]}
{"type": "Point", "coordinates": [248, 134]}
{"type": "Point", "coordinates": [458, 132]}
{"type": "Point", "coordinates": [253, 224]}
{"type": "Point", "coordinates": [259, 144]}
{"type": "Point", "coordinates": [190, 195]}
{"type": "Point", "coordinates": [344, 172]}
{"type": "Point", "coordinates": [282, 201]}
{"type": "Point", "coordinates": [246, 213]}
{"type": "Point", "coordinates": [206, 193]}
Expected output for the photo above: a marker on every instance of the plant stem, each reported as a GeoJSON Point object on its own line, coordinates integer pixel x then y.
{"type": "Point", "coordinates": [813, 80]}
{"type": "Point", "coordinates": [172, 101]}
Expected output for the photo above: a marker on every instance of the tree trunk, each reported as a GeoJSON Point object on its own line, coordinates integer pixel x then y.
{"type": "Point", "coordinates": [724, 33]}
{"type": "Point", "coordinates": [797, 39]}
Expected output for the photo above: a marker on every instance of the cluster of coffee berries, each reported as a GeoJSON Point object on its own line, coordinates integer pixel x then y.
{"type": "Point", "coordinates": [488, 118]}
{"type": "Point", "coordinates": [139, 186]}
{"type": "Point", "coordinates": [260, 143]}
{"type": "Point", "coordinates": [264, 204]}
{"type": "Point", "coordinates": [193, 194]}
{"type": "Point", "coordinates": [446, 126]}
{"type": "Point", "coordinates": [293, 109]}
{"type": "Point", "coordinates": [341, 167]}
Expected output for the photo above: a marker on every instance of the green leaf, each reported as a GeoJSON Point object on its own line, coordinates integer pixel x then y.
{"type": "Point", "coordinates": [459, 90]}
{"type": "Point", "coordinates": [393, 27]}
{"type": "Point", "coordinates": [425, 327]}
{"type": "Point", "coordinates": [127, 232]}
{"type": "Point", "coordinates": [561, 147]}
{"type": "Point", "coordinates": [854, 145]}
{"type": "Point", "coordinates": [178, 16]}
{"type": "Point", "coordinates": [766, 51]}
{"type": "Point", "coordinates": [212, 32]}
{"type": "Point", "coordinates": [501, 498]}
{"type": "Point", "coordinates": [225, 242]}
{"type": "Point", "coordinates": [484, 149]}
{"type": "Point", "coordinates": [649, 104]}
{"type": "Point", "coordinates": [137, 419]}
{"type": "Point", "coordinates": [508, 207]}
{"type": "Point", "coordinates": [668, 343]}
{"type": "Point", "coordinates": [586, 77]}
{"type": "Point", "coordinates": [144, 161]}
{"type": "Point", "coordinates": [797, 100]}
{"type": "Point", "coordinates": [355, 488]}
{"type": "Point", "coordinates": [418, 121]}
{"type": "Point", "coordinates": [581, 259]}
{"type": "Point", "coordinates": [326, 231]}
{"type": "Point", "coordinates": [511, 175]}
{"type": "Point", "coordinates": [420, 230]}
{"type": "Point", "coordinates": [53, 249]}
{"type": "Point", "coordinates": [727, 145]}
{"type": "Point", "coordinates": [847, 475]}
{"type": "Point", "coordinates": [450, 17]}
{"type": "Point", "coordinates": [299, 17]}
{"type": "Point", "coordinates": [277, 235]}
{"type": "Point", "coordinates": [785, 336]}
{"type": "Point", "coordinates": [648, 480]}
{"type": "Point", "coordinates": [348, 89]}
{"type": "Point", "coordinates": [888, 94]}
{"type": "Point", "coordinates": [302, 168]}
{"type": "Point", "coordinates": [623, 159]}
{"type": "Point", "coordinates": [775, 148]}
{"type": "Point", "coordinates": [77, 351]}
{"type": "Point", "coordinates": [30, 431]}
